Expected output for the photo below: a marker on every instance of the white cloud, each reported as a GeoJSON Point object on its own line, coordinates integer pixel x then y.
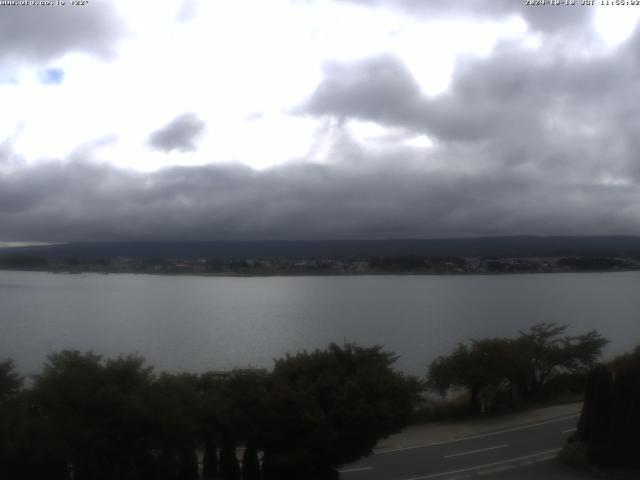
{"type": "Point", "coordinates": [229, 60]}
{"type": "Point", "coordinates": [615, 23]}
{"type": "Point", "coordinates": [395, 106]}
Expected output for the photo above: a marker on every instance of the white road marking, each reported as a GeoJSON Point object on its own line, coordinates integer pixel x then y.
{"type": "Point", "coordinates": [546, 458]}
{"type": "Point", "coordinates": [488, 465]}
{"type": "Point", "coordinates": [470, 452]}
{"type": "Point", "coordinates": [568, 430]}
{"type": "Point", "coordinates": [359, 469]}
{"type": "Point", "coordinates": [503, 468]}
{"type": "Point", "coordinates": [473, 437]}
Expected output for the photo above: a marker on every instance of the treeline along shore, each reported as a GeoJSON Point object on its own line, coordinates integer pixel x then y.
{"type": "Point", "coordinates": [385, 265]}
{"type": "Point", "coordinates": [519, 254]}
{"type": "Point", "coordinates": [87, 417]}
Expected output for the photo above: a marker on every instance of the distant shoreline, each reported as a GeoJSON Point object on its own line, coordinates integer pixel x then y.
{"type": "Point", "coordinates": [314, 274]}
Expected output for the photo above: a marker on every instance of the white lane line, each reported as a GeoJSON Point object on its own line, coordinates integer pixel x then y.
{"type": "Point", "coordinates": [473, 437]}
{"type": "Point", "coordinates": [546, 458]}
{"type": "Point", "coordinates": [568, 430]}
{"type": "Point", "coordinates": [503, 468]}
{"type": "Point", "coordinates": [488, 465]}
{"type": "Point", "coordinates": [471, 452]}
{"type": "Point", "coordinates": [359, 469]}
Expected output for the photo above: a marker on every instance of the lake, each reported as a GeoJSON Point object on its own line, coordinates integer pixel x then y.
{"type": "Point", "coordinates": [199, 323]}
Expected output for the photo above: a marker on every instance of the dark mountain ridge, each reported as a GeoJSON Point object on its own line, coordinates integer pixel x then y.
{"type": "Point", "coordinates": [513, 246]}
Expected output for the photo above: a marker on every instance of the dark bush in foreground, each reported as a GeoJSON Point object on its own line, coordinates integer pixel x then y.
{"type": "Point", "coordinates": [90, 418]}
{"type": "Point", "coordinates": [610, 420]}
{"type": "Point", "coordinates": [337, 404]}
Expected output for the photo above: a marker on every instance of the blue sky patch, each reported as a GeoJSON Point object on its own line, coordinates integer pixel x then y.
{"type": "Point", "coordinates": [52, 76]}
{"type": "Point", "coordinates": [7, 79]}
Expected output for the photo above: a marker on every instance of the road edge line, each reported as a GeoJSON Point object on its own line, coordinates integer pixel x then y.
{"type": "Point", "coordinates": [473, 437]}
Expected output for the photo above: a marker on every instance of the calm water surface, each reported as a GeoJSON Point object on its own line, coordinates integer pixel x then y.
{"type": "Point", "coordinates": [199, 323]}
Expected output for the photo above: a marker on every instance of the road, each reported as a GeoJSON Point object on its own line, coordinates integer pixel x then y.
{"type": "Point", "coordinates": [482, 455]}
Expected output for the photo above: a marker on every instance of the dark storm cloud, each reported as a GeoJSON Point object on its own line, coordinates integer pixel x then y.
{"type": "Point", "coordinates": [31, 34]}
{"type": "Point", "coordinates": [525, 107]}
{"type": "Point", "coordinates": [381, 89]}
{"type": "Point", "coordinates": [545, 18]}
{"type": "Point", "coordinates": [179, 134]}
{"type": "Point", "coordinates": [480, 102]}
{"type": "Point", "coordinates": [526, 141]}
{"type": "Point", "coordinates": [362, 195]}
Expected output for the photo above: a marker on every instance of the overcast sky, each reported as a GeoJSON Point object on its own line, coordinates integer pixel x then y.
{"type": "Point", "coordinates": [317, 119]}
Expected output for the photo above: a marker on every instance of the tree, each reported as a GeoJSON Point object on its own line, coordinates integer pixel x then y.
{"type": "Point", "coordinates": [94, 414]}
{"type": "Point", "coordinates": [210, 458]}
{"type": "Point", "coordinates": [330, 407]}
{"type": "Point", "coordinates": [542, 352]}
{"type": "Point", "coordinates": [229, 466]}
{"type": "Point", "coordinates": [484, 364]}
{"type": "Point", "coordinates": [208, 387]}
{"type": "Point", "coordinates": [174, 406]}
{"type": "Point", "coordinates": [11, 424]}
{"type": "Point", "coordinates": [527, 362]}
{"type": "Point", "coordinates": [246, 396]}
{"type": "Point", "coordinates": [10, 381]}
{"type": "Point", "coordinates": [250, 463]}
{"type": "Point", "coordinates": [593, 426]}
{"type": "Point", "coordinates": [232, 413]}
{"type": "Point", "coordinates": [625, 414]}
{"type": "Point", "coordinates": [610, 420]}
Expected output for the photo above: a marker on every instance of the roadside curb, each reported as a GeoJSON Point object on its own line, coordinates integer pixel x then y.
{"type": "Point", "coordinates": [429, 434]}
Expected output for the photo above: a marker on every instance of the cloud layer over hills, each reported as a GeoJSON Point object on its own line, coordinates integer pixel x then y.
{"type": "Point", "coordinates": [540, 136]}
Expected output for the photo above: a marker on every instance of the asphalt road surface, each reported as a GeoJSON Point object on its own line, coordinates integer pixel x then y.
{"type": "Point", "coordinates": [484, 455]}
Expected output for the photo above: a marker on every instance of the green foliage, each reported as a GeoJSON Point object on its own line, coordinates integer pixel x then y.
{"type": "Point", "coordinates": [610, 418]}
{"type": "Point", "coordinates": [12, 430]}
{"type": "Point", "coordinates": [250, 463]}
{"type": "Point", "coordinates": [485, 363]}
{"type": "Point", "coordinates": [23, 261]}
{"type": "Point", "coordinates": [210, 458]}
{"type": "Point", "coordinates": [544, 352]}
{"type": "Point", "coordinates": [10, 381]}
{"type": "Point", "coordinates": [96, 412]}
{"type": "Point", "coordinates": [91, 418]}
{"type": "Point", "coordinates": [330, 407]}
{"type": "Point", "coordinates": [229, 466]}
{"type": "Point", "coordinates": [591, 263]}
{"type": "Point", "coordinates": [541, 351]}
{"type": "Point", "coordinates": [596, 413]}
{"type": "Point", "coordinates": [173, 405]}
{"type": "Point", "coordinates": [525, 363]}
